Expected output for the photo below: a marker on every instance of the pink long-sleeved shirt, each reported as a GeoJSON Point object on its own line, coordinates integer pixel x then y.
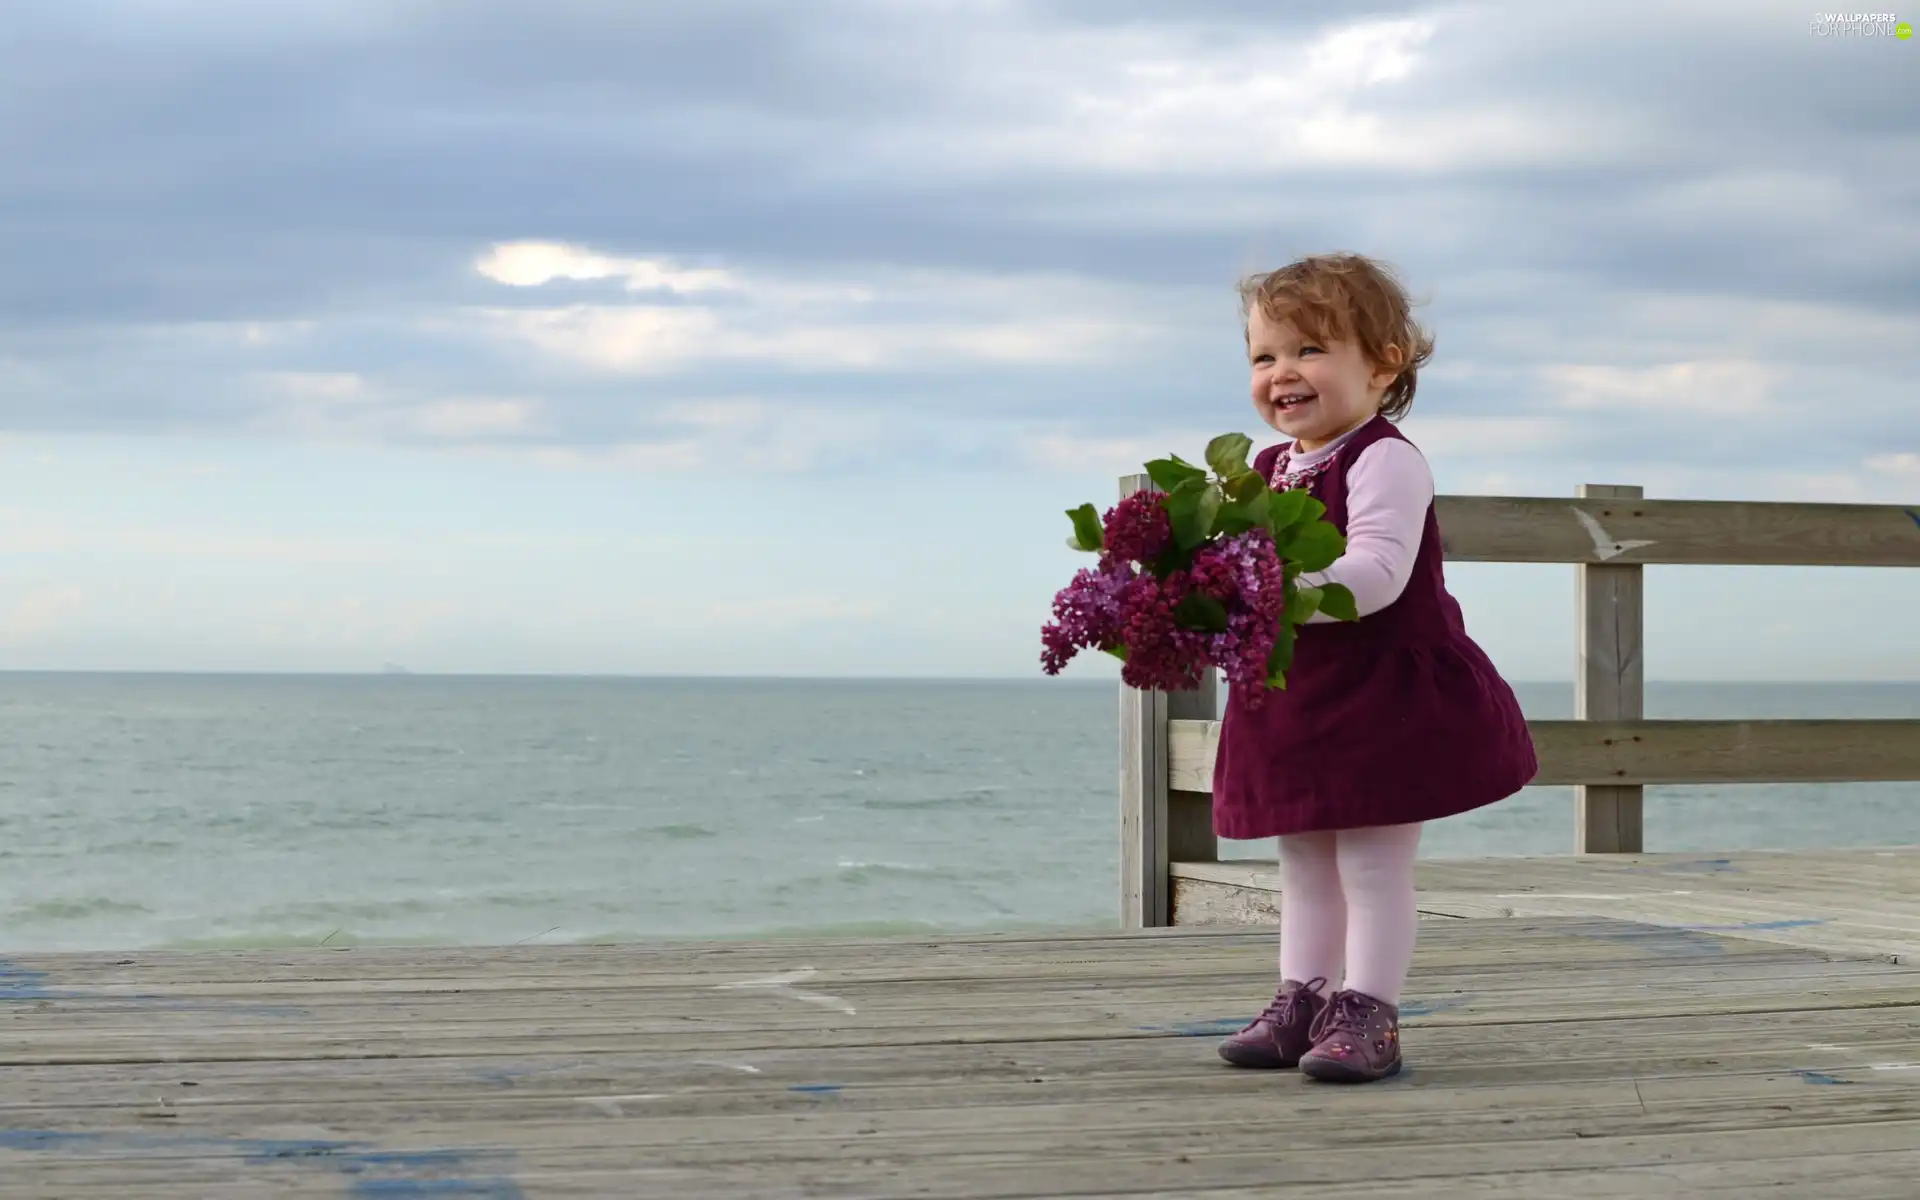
{"type": "Point", "coordinates": [1388, 490]}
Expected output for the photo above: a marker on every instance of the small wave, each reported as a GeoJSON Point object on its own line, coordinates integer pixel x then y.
{"type": "Point", "coordinates": [78, 910]}
{"type": "Point", "coordinates": [138, 846]}
{"type": "Point", "coordinates": [971, 798]}
{"type": "Point", "coordinates": [680, 833]}
{"type": "Point", "coordinates": [365, 910]}
{"type": "Point", "coordinates": [855, 871]}
{"type": "Point", "coordinates": [281, 939]}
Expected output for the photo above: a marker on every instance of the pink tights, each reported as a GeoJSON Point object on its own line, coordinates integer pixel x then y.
{"type": "Point", "coordinates": [1347, 909]}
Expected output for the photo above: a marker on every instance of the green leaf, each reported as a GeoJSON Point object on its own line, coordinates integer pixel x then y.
{"type": "Point", "coordinates": [1302, 604]}
{"type": "Point", "coordinates": [1280, 660]}
{"type": "Point", "coordinates": [1227, 454]}
{"type": "Point", "coordinates": [1315, 546]}
{"type": "Point", "coordinates": [1337, 602]}
{"type": "Point", "coordinates": [1241, 516]}
{"type": "Point", "coordinates": [1192, 506]}
{"type": "Point", "coordinates": [1284, 509]}
{"type": "Point", "coordinates": [1087, 534]}
{"type": "Point", "coordinates": [1170, 472]}
{"type": "Point", "coordinates": [1201, 611]}
{"type": "Point", "coordinates": [1119, 652]}
{"type": "Point", "coordinates": [1244, 487]}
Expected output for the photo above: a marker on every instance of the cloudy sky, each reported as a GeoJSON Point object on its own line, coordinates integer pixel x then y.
{"type": "Point", "coordinates": [572, 336]}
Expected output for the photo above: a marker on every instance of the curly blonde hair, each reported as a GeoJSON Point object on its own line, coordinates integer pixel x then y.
{"type": "Point", "coordinates": [1348, 297]}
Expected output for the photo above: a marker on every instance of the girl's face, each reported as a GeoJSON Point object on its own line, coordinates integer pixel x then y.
{"type": "Point", "coordinates": [1311, 391]}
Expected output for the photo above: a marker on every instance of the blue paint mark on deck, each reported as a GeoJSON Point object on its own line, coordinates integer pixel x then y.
{"type": "Point", "coordinates": [1915, 514]}
{"type": "Point", "coordinates": [1747, 926]}
{"type": "Point", "coordinates": [1426, 1008]}
{"type": "Point", "coordinates": [507, 1076]}
{"type": "Point", "coordinates": [260, 1151]}
{"type": "Point", "coordinates": [21, 983]}
{"type": "Point", "coordinates": [45, 1139]}
{"type": "Point", "coordinates": [817, 1089]}
{"type": "Point", "coordinates": [1710, 866]}
{"type": "Point", "coordinates": [1820, 1077]}
{"type": "Point", "coordinates": [26, 984]}
{"type": "Point", "coordinates": [374, 1172]}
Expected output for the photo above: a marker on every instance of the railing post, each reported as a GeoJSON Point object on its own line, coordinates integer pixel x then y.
{"type": "Point", "coordinates": [1609, 685]}
{"type": "Point", "coordinates": [1157, 826]}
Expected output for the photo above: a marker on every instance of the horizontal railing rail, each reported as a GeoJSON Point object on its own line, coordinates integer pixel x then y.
{"type": "Point", "coordinates": [1661, 752]}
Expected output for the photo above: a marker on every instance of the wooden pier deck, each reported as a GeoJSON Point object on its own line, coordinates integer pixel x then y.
{"type": "Point", "coordinates": [1551, 1056]}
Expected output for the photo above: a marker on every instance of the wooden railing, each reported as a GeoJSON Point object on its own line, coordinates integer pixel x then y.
{"type": "Point", "coordinates": [1608, 752]}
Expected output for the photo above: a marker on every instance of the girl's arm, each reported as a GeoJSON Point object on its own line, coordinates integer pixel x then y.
{"type": "Point", "coordinates": [1388, 490]}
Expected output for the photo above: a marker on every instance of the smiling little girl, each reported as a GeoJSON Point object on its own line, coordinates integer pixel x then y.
{"type": "Point", "coordinates": [1386, 722]}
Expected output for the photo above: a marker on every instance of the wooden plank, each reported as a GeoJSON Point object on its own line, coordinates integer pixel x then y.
{"type": "Point", "coordinates": [1863, 902]}
{"type": "Point", "coordinates": [1702, 752]}
{"type": "Point", "coordinates": [1667, 752]}
{"type": "Point", "coordinates": [1609, 685]}
{"type": "Point", "coordinates": [1144, 896]}
{"type": "Point", "coordinates": [1610, 530]}
{"type": "Point", "coordinates": [1144, 899]}
{"type": "Point", "coordinates": [1143, 808]}
{"type": "Point", "coordinates": [1190, 836]}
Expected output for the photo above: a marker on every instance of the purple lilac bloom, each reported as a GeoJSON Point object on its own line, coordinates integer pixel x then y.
{"type": "Point", "coordinates": [1115, 606]}
{"type": "Point", "coordinates": [1087, 615]}
{"type": "Point", "coordinates": [1138, 528]}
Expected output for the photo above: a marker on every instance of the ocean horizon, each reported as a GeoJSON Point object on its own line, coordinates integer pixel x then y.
{"type": "Point", "coordinates": [143, 810]}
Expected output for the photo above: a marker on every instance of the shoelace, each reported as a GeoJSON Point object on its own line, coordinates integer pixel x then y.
{"type": "Point", "coordinates": [1347, 1012]}
{"type": "Point", "coordinates": [1291, 1006]}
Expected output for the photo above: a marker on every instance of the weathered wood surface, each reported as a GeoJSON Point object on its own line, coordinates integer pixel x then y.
{"type": "Point", "coordinates": [1864, 902]}
{"type": "Point", "coordinates": [1145, 834]}
{"type": "Point", "coordinates": [1552, 1057]}
{"type": "Point", "coordinates": [1664, 752]}
{"type": "Point", "coordinates": [1609, 684]}
{"type": "Point", "coordinates": [1623, 530]}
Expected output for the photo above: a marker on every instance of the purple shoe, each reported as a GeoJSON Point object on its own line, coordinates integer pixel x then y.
{"type": "Point", "coordinates": [1356, 1039]}
{"type": "Point", "coordinates": [1278, 1036]}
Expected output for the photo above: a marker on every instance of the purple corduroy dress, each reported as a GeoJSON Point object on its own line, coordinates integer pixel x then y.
{"type": "Point", "coordinates": [1394, 718]}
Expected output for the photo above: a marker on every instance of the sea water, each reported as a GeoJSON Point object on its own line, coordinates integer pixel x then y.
{"type": "Point", "coordinates": [142, 811]}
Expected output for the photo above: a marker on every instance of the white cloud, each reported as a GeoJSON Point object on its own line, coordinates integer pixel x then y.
{"type": "Point", "coordinates": [1153, 98]}
{"type": "Point", "coordinates": [329, 387]}
{"type": "Point", "coordinates": [349, 405]}
{"type": "Point", "coordinates": [736, 433]}
{"type": "Point", "coordinates": [1076, 453]}
{"type": "Point", "coordinates": [634, 338]}
{"type": "Point", "coordinates": [1904, 465]}
{"type": "Point", "coordinates": [530, 264]}
{"type": "Point", "coordinates": [891, 318]}
{"type": "Point", "coordinates": [1443, 435]}
{"type": "Point", "coordinates": [1729, 387]}
{"type": "Point", "coordinates": [456, 419]}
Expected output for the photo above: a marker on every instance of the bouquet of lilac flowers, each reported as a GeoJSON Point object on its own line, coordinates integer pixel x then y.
{"type": "Point", "coordinates": [1200, 573]}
